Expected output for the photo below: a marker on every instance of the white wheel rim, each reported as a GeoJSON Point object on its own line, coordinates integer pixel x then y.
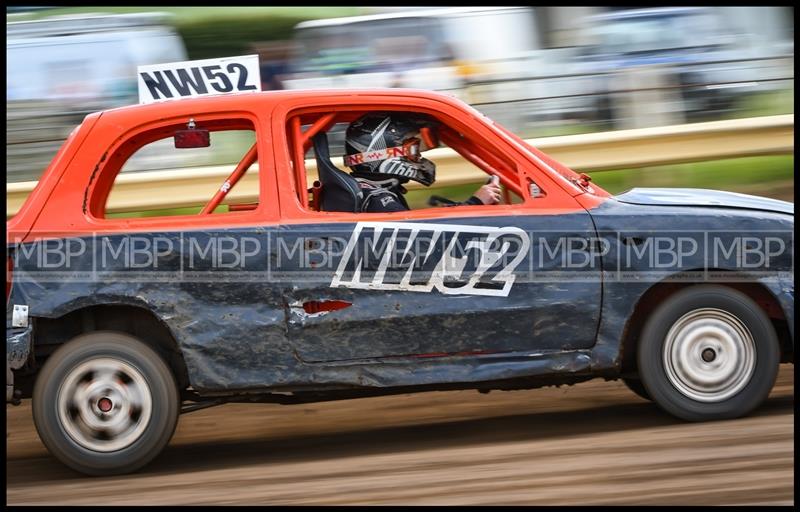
{"type": "Point", "coordinates": [104, 404]}
{"type": "Point", "coordinates": [709, 355]}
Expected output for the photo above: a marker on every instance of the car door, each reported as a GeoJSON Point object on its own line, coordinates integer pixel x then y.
{"type": "Point", "coordinates": [442, 286]}
{"type": "Point", "coordinates": [519, 279]}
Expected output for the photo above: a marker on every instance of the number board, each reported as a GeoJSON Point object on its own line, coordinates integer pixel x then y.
{"type": "Point", "coordinates": [188, 79]}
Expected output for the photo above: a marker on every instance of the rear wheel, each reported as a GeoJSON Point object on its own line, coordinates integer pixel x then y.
{"type": "Point", "coordinates": [708, 353]}
{"type": "Point", "coordinates": [105, 403]}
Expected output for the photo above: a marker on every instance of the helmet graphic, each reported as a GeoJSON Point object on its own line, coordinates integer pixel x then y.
{"type": "Point", "coordinates": [388, 145]}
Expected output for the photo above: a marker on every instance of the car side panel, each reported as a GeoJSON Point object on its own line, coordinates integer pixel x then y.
{"type": "Point", "coordinates": [627, 277]}
{"type": "Point", "coordinates": [399, 308]}
{"type": "Point", "coordinates": [236, 326]}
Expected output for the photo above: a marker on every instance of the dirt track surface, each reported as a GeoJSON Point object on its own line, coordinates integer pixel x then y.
{"type": "Point", "coordinates": [592, 443]}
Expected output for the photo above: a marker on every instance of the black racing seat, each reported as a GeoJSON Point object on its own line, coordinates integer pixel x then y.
{"type": "Point", "coordinates": [340, 191]}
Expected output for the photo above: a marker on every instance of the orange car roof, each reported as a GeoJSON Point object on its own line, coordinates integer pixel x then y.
{"type": "Point", "coordinates": [234, 100]}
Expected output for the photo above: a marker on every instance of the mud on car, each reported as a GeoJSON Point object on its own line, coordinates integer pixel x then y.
{"type": "Point", "coordinates": [117, 324]}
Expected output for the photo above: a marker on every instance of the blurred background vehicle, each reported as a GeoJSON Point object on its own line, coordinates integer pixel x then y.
{"type": "Point", "coordinates": [86, 60]}
{"type": "Point", "coordinates": [421, 48]}
{"type": "Point", "coordinates": [60, 69]}
{"type": "Point", "coordinates": [689, 49]}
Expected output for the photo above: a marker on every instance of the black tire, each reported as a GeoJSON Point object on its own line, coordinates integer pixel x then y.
{"type": "Point", "coordinates": [729, 328]}
{"type": "Point", "coordinates": [637, 387]}
{"type": "Point", "coordinates": [131, 374]}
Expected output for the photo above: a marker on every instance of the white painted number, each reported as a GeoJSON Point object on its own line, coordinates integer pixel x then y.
{"type": "Point", "coordinates": [417, 257]}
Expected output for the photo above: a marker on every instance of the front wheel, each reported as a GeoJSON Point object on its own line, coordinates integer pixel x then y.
{"type": "Point", "coordinates": [105, 403]}
{"type": "Point", "coordinates": [708, 353]}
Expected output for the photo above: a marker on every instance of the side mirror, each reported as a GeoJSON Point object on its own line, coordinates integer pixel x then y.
{"type": "Point", "coordinates": [192, 137]}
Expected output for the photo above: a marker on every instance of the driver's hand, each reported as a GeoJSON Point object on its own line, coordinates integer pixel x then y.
{"type": "Point", "coordinates": [489, 193]}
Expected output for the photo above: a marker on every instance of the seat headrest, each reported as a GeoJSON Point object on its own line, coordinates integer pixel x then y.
{"type": "Point", "coordinates": [340, 191]}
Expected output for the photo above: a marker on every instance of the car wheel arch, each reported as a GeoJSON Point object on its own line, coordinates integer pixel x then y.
{"type": "Point", "coordinates": [135, 320]}
{"type": "Point", "coordinates": [662, 290]}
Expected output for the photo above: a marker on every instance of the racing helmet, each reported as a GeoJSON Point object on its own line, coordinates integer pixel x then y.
{"type": "Point", "coordinates": [386, 145]}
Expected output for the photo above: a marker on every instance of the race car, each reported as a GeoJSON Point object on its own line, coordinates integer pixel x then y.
{"type": "Point", "coordinates": [116, 325]}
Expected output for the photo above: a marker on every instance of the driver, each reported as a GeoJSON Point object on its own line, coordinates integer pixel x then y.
{"type": "Point", "coordinates": [384, 151]}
